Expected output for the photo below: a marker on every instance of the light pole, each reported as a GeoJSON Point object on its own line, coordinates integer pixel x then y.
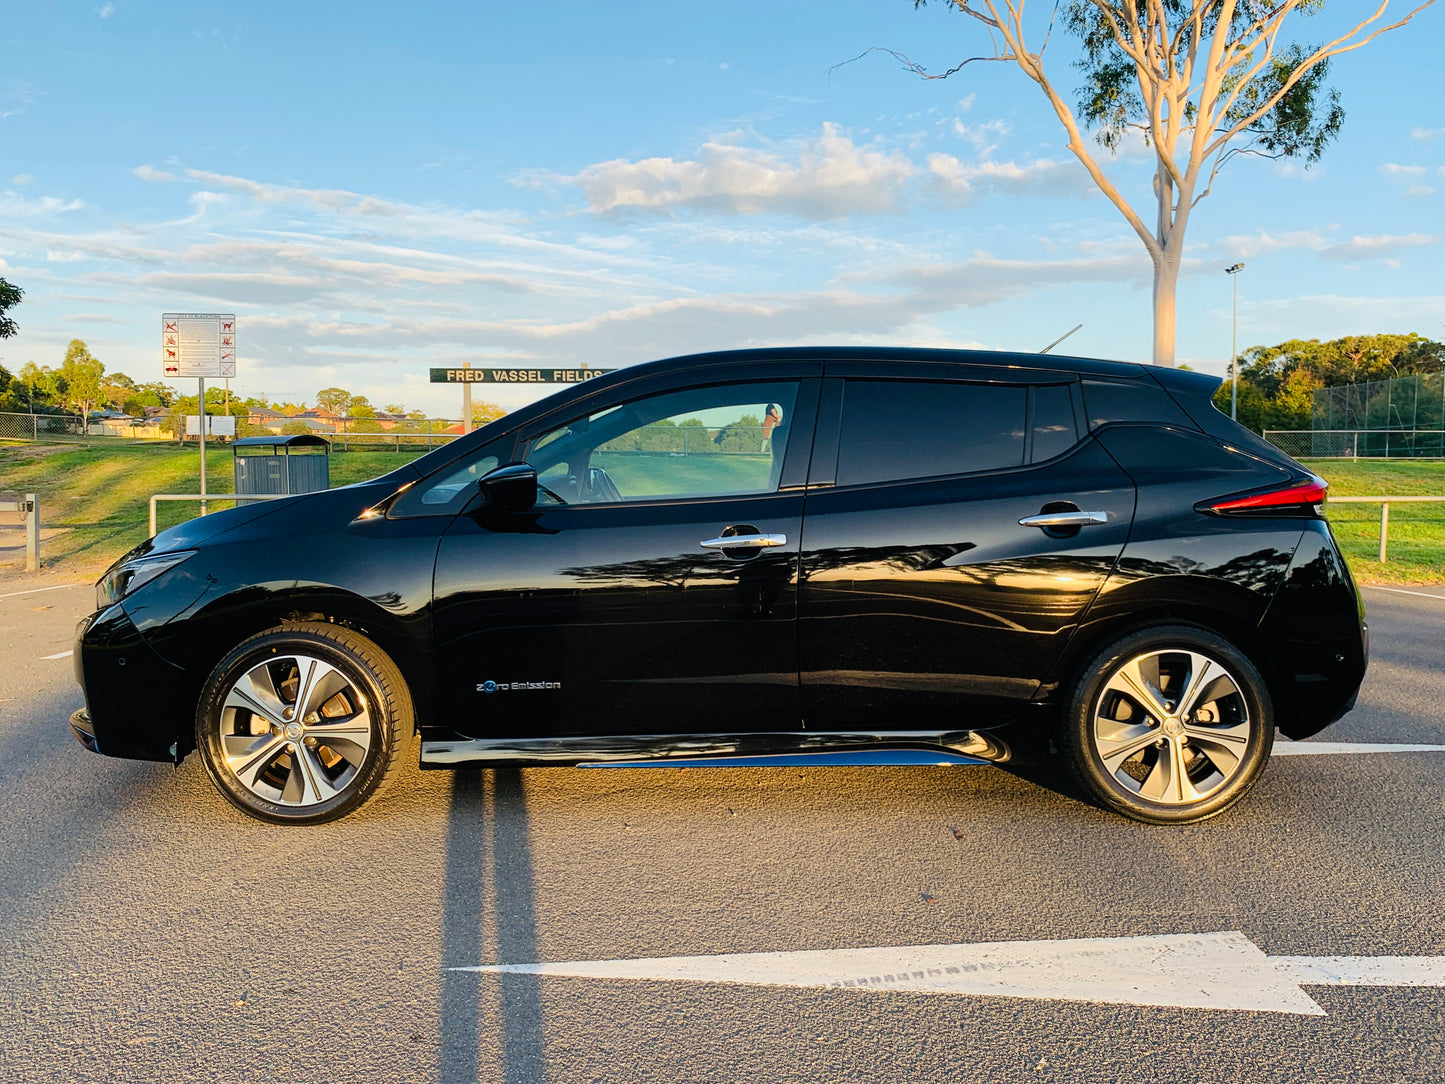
{"type": "Point", "coordinates": [1233, 273]}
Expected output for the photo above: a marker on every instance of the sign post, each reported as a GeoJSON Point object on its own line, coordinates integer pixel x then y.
{"type": "Point", "coordinates": [466, 403]}
{"type": "Point", "coordinates": [199, 344]}
{"type": "Point", "coordinates": [466, 376]}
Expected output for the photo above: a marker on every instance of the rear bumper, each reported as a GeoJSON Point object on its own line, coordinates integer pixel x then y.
{"type": "Point", "coordinates": [1318, 638]}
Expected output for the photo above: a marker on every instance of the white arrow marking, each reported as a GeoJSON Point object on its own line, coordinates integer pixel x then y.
{"type": "Point", "coordinates": [1195, 971]}
{"type": "Point", "coordinates": [1311, 748]}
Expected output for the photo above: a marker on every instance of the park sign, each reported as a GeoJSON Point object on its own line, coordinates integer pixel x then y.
{"type": "Point", "coordinates": [198, 345]}
{"type": "Point", "coordinates": [515, 376]}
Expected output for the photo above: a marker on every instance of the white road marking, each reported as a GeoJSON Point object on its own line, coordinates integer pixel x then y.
{"type": "Point", "coordinates": [63, 654]}
{"type": "Point", "coordinates": [1402, 591]}
{"type": "Point", "coordinates": [1310, 748]}
{"type": "Point", "coordinates": [37, 590]}
{"type": "Point", "coordinates": [1197, 971]}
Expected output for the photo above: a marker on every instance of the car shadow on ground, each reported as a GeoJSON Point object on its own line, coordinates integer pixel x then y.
{"type": "Point", "coordinates": [489, 917]}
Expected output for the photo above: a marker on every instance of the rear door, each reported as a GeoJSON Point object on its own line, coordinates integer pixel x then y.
{"type": "Point", "coordinates": [925, 600]}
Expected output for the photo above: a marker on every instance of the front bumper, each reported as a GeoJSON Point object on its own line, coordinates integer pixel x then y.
{"type": "Point", "coordinates": [134, 700]}
{"type": "Point", "coordinates": [82, 731]}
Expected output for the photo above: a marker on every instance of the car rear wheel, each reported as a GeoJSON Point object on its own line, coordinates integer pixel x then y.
{"type": "Point", "coordinates": [302, 724]}
{"type": "Point", "coordinates": [1169, 724]}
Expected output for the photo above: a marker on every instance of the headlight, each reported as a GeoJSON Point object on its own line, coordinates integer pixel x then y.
{"type": "Point", "coordinates": [132, 575]}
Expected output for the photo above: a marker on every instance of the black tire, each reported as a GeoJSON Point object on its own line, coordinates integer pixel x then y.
{"type": "Point", "coordinates": [1127, 749]}
{"type": "Point", "coordinates": [344, 751]}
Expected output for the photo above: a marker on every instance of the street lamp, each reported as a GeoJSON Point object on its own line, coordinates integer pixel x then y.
{"type": "Point", "coordinates": [1233, 273]}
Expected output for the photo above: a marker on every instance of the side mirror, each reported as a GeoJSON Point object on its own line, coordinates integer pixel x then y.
{"type": "Point", "coordinates": [512, 488]}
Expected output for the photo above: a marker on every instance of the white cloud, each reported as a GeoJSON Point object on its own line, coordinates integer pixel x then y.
{"type": "Point", "coordinates": [1424, 135]}
{"type": "Point", "coordinates": [105, 11]}
{"type": "Point", "coordinates": [830, 177]}
{"type": "Point", "coordinates": [1246, 247]}
{"type": "Point", "coordinates": [959, 182]}
{"type": "Point", "coordinates": [1357, 248]}
{"type": "Point", "coordinates": [1395, 169]}
{"type": "Point", "coordinates": [16, 206]}
{"type": "Point", "coordinates": [985, 135]}
{"type": "Point", "coordinates": [1368, 248]}
{"type": "Point", "coordinates": [22, 179]}
{"type": "Point", "coordinates": [155, 176]}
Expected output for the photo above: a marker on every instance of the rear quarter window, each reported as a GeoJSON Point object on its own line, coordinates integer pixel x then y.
{"type": "Point", "coordinates": [1137, 402]}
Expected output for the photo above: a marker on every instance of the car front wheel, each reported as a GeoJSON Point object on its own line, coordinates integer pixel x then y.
{"type": "Point", "coordinates": [1169, 725]}
{"type": "Point", "coordinates": [303, 723]}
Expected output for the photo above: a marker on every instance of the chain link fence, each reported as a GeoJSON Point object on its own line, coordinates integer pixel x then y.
{"type": "Point", "coordinates": [1401, 403]}
{"type": "Point", "coordinates": [41, 427]}
{"type": "Point", "coordinates": [1359, 443]}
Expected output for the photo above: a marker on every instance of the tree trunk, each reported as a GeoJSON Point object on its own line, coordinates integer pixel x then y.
{"type": "Point", "coordinates": [1166, 279]}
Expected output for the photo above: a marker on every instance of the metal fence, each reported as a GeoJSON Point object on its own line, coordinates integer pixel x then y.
{"type": "Point", "coordinates": [1401, 403]}
{"type": "Point", "coordinates": [1359, 443]}
{"type": "Point", "coordinates": [41, 427]}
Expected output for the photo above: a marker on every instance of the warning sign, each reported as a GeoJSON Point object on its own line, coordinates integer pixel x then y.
{"type": "Point", "coordinates": [198, 344]}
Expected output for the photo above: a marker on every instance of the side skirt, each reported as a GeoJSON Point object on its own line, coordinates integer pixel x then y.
{"type": "Point", "coordinates": [780, 749]}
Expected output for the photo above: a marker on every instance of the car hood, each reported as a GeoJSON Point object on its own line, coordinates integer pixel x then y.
{"type": "Point", "coordinates": [342, 505]}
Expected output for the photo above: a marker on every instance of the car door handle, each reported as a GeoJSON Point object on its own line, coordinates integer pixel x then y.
{"type": "Point", "coordinates": [1064, 519]}
{"type": "Point", "coordinates": [744, 541]}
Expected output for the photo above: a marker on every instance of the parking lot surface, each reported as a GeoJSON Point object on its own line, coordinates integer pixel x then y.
{"type": "Point", "coordinates": [150, 932]}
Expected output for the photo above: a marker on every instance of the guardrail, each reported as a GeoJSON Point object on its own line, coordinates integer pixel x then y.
{"type": "Point", "coordinates": [207, 498]}
{"type": "Point", "coordinates": [31, 507]}
{"type": "Point", "coordinates": [1384, 503]}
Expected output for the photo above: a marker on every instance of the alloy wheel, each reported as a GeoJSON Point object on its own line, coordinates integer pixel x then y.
{"type": "Point", "coordinates": [295, 730]}
{"type": "Point", "coordinates": [1171, 726]}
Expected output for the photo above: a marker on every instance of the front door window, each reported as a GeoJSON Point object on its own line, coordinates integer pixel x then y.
{"type": "Point", "coordinates": [719, 441]}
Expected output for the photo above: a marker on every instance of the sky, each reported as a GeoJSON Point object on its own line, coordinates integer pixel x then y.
{"type": "Point", "coordinates": [377, 189]}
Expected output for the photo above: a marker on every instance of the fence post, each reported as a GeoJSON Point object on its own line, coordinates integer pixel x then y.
{"type": "Point", "coordinates": [1384, 528]}
{"type": "Point", "coordinates": [32, 533]}
{"type": "Point", "coordinates": [153, 518]}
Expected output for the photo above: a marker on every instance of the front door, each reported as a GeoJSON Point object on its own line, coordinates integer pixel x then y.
{"type": "Point", "coordinates": [926, 603]}
{"type": "Point", "coordinates": [652, 590]}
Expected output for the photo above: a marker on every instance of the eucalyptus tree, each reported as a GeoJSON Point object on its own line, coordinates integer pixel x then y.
{"type": "Point", "coordinates": [1201, 82]}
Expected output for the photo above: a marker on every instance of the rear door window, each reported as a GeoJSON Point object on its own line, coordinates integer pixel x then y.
{"type": "Point", "coordinates": [1054, 430]}
{"type": "Point", "coordinates": [893, 430]}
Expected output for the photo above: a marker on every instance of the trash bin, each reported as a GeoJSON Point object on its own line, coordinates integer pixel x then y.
{"type": "Point", "coordinates": [300, 463]}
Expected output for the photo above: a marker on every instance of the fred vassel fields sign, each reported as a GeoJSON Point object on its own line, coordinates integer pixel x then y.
{"type": "Point", "coordinates": [515, 376]}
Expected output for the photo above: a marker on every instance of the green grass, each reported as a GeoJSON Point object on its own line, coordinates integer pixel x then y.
{"type": "Point", "coordinates": [1416, 548]}
{"type": "Point", "coordinates": [101, 495]}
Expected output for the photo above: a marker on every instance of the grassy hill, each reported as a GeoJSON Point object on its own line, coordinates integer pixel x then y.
{"type": "Point", "coordinates": [100, 495]}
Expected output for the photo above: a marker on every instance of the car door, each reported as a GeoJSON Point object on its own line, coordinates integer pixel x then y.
{"type": "Point", "coordinates": [958, 525]}
{"type": "Point", "coordinates": [653, 588]}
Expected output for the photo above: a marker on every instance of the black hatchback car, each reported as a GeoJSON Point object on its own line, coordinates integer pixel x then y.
{"type": "Point", "coordinates": [794, 555]}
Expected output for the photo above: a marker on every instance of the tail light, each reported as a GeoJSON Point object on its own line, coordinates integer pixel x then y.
{"type": "Point", "coordinates": [1292, 499]}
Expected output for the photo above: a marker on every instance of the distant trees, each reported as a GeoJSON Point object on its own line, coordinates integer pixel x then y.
{"type": "Point", "coordinates": [484, 412]}
{"type": "Point", "coordinates": [336, 400]}
{"type": "Point", "coordinates": [81, 370]}
{"type": "Point", "coordinates": [1277, 383]}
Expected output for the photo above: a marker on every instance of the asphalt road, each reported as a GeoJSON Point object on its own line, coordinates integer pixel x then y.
{"type": "Point", "coordinates": [148, 932]}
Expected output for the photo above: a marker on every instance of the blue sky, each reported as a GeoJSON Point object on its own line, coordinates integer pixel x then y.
{"type": "Point", "coordinates": [376, 189]}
